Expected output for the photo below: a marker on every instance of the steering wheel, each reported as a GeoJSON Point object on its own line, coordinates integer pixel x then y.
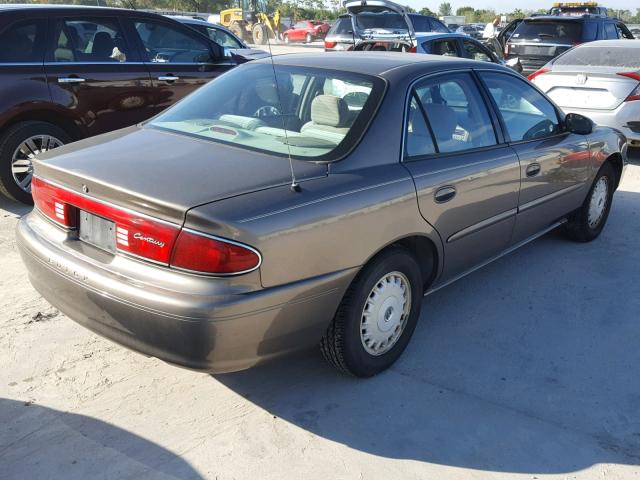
{"type": "Point", "coordinates": [267, 111]}
{"type": "Point", "coordinates": [540, 129]}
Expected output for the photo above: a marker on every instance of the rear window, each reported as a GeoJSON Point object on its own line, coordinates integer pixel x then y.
{"type": "Point", "coordinates": [549, 31]}
{"type": "Point", "coordinates": [22, 42]}
{"type": "Point", "coordinates": [341, 27]}
{"type": "Point", "coordinates": [604, 56]}
{"type": "Point", "coordinates": [365, 21]}
{"type": "Point", "coordinates": [307, 112]}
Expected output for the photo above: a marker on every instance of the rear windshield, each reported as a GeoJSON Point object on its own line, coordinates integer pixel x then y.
{"type": "Point", "coordinates": [365, 21]}
{"type": "Point", "coordinates": [305, 112]}
{"type": "Point", "coordinates": [602, 56]}
{"type": "Point", "coordinates": [420, 23]}
{"type": "Point", "coordinates": [567, 32]}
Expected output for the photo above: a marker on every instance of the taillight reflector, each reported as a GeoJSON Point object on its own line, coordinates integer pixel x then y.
{"type": "Point", "coordinates": [329, 44]}
{"type": "Point", "coordinates": [538, 73]}
{"type": "Point", "coordinates": [205, 254]}
{"type": "Point", "coordinates": [633, 75]}
{"type": "Point", "coordinates": [146, 237]}
{"type": "Point", "coordinates": [635, 94]}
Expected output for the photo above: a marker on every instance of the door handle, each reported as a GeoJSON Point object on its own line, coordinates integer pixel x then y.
{"type": "Point", "coordinates": [533, 170]}
{"type": "Point", "coordinates": [70, 80]}
{"type": "Point", "coordinates": [444, 194]}
{"type": "Point", "coordinates": [168, 78]}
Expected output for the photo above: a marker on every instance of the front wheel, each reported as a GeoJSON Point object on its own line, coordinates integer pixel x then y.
{"type": "Point", "coordinates": [308, 38]}
{"type": "Point", "coordinates": [286, 39]}
{"type": "Point", "coordinates": [377, 315]}
{"type": "Point", "coordinates": [19, 145]}
{"type": "Point", "coordinates": [587, 223]}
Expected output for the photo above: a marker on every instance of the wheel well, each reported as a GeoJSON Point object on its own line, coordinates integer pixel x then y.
{"type": "Point", "coordinates": [425, 253]}
{"type": "Point", "coordinates": [616, 161]}
{"type": "Point", "coordinates": [53, 118]}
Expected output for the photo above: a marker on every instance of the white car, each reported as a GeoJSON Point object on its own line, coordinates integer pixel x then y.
{"type": "Point", "coordinates": [600, 80]}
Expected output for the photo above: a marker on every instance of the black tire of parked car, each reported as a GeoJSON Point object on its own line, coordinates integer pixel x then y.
{"type": "Point", "coordinates": [308, 38]}
{"type": "Point", "coordinates": [10, 140]}
{"type": "Point", "coordinates": [578, 227]}
{"type": "Point", "coordinates": [342, 345]}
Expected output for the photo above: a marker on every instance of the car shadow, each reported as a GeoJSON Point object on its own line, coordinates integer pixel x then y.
{"type": "Point", "coordinates": [40, 442]}
{"type": "Point", "coordinates": [529, 365]}
{"type": "Point", "coordinates": [14, 208]}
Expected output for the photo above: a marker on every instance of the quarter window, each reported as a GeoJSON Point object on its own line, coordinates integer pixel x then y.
{"type": "Point", "coordinates": [526, 113]}
{"type": "Point", "coordinates": [446, 48]}
{"type": "Point", "coordinates": [456, 117]}
{"type": "Point", "coordinates": [167, 44]}
{"type": "Point", "coordinates": [22, 43]}
{"type": "Point", "coordinates": [222, 38]}
{"type": "Point", "coordinates": [89, 40]}
{"type": "Point", "coordinates": [475, 51]}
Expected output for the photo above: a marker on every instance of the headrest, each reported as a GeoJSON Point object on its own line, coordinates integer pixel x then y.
{"type": "Point", "coordinates": [443, 120]}
{"type": "Point", "coordinates": [102, 44]}
{"type": "Point", "coordinates": [329, 110]}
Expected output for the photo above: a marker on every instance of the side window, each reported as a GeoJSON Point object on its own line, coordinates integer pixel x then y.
{"type": "Point", "coordinates": [22, 42]}
{"type": "Point", "coordinates": [610, 30]}
{"type": "Point", "coordinates": [455, 112]}
{"type": "Point", "coordinates": [418, 138]}
{"type": "Point", "coordinates": [623, 32]}
{"type": "Point", "coordinates": [476, 52]}
{"type": "Point", "coordinates": [168, 44]}
{"type": "Point", "coordinates": [445, 48]}
{"type": "Point", "coordinates": [343, 26]}
{"type": "Point", "coordinates": [527, 114]}
{"type": "Point", "coordinates": [300, 25]}
{"type": "Point", "coordinates": [89, 40]}
{"type": "Point", "coordinates": [437, 26]}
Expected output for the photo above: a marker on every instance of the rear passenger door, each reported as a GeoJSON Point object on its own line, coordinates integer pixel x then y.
{"type": "Point", "coordinates": [467, 180]}
{"type": "Point", "coordinates": [555, 164]}
{"type": "Point", "coordinates": [179, 59]}
{"type": "Point", "coordinates": [95, 73]}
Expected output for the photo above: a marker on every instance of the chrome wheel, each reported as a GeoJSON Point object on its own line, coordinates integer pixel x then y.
{"type": "Point", "coordinates": [385, 313]}
{"type": "Point", "coordinates": [598, 202]}
{"type": "Point", "coordinates": [22, 160]}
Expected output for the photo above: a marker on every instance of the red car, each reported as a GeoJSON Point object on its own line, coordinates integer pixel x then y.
{"type": "Point", "coordinates": [306, 31]}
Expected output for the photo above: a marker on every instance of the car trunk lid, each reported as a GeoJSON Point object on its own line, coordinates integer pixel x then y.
{"type": "Point", "coordinates": [379, 20]}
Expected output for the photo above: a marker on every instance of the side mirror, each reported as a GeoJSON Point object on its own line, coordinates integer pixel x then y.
{"type": "Point", "coordinates": [578, 124]}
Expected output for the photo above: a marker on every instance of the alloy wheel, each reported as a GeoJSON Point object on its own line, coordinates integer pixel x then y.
{"type": "Point", "coordinates": [22, 160]}
{"type": "Point", "coordinates": [598, 202]}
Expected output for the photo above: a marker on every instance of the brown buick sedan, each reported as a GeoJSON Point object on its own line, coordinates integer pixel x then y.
{"type": "Point", "coordinates": [312, 201]}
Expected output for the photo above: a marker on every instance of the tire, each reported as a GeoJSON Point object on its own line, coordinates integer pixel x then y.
{"type": "Point", "coordinates": [10, 141]}
{"type": "Point", "coordinates": [285, 38]}
{"type": "Point", "coordinates": [344, 344]}
{"type": "Point", "coordinates": [583, 225]}
{"type": "Point", "coordinates": [260, 34]}
{"type": "Point", "coordinates": [308, 38]}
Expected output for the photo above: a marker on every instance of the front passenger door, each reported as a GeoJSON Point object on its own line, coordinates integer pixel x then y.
{"type": "Point", "coordinates": [555, 164]}
{"type": "Point", "coordinates": [179, 60]}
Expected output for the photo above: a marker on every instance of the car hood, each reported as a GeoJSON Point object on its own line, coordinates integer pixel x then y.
{"type": "Point", "coordinates": [164, 174]}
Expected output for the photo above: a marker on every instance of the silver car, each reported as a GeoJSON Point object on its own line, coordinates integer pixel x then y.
{"type": "Point", "coordinates": [600, 80]}
{"type": "Point", "coordinates": [312, 201]}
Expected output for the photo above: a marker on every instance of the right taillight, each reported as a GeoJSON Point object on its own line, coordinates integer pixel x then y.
{"type": "Point", "coordinates": [200, 253]}
{"type": "Point", "coordinates": [329, 44]}
{"type": "Point", "coordinates": [538, 73]}
{"type": "Point", "coordinates": [635, 94]}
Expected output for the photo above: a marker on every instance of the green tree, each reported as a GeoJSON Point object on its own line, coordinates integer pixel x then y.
{"type": "Point", "coordinates": [467, 12]}
{"type": "Point", "coordinates": [427, 11]}
{"type": "Point", "coordinates": [445, 9]}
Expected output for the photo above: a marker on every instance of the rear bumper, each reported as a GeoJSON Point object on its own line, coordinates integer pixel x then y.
{"type": "Point", "coordinates": [202, 323]}
{"type": "Point", "coordinates": [625, 118]}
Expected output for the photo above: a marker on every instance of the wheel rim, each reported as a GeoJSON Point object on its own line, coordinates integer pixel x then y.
{"type": "Point", "coordinates": [22, 160]}
{"type": "Point", "coordinates": [385, 313]}
{"type": "Point", "coordinates": [598, 202]}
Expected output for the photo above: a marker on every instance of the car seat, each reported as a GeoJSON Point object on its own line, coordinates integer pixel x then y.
{"type": "Point", "coordinates": [102, 47]}
{"type": "Point", "coordinates": [330, 119]}
{"type": "Point", "coordinates": [443, 122]}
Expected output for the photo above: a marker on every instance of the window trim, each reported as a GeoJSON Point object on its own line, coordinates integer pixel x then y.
{"type": "Point", "coordinates": [494, 105]}
{"type": "Point", "coordinates": [497, 127]}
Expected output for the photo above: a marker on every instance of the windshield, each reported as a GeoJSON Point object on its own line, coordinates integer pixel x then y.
{"type": "Point", "coordinates": [602, 56]}
{"type": "Point", "coordinates": [309, 113]}
{"type": "Point", "coordinates": [567, 32]}
{"type": "Point", "coordinates": [368, 21]}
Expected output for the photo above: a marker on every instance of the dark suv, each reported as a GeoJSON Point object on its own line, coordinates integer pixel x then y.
{"type": "Point", "coordinates": [73, 72]}
{"type": "Point", "coordinates": [537, 40]}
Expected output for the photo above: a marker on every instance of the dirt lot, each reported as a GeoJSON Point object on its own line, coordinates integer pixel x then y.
{"type": "Point", "coordinates": [526, 369]}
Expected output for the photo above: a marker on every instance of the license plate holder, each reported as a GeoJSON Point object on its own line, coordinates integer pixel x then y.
{"type": "Point", "coordinates": [97, 231]}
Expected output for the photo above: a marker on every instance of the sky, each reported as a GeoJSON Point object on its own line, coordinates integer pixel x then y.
{"type": "Point", "coordinates": [507, 6]}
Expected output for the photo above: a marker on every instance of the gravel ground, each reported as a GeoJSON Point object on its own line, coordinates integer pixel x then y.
{"type": "Point", "coordinates": [525, 369]}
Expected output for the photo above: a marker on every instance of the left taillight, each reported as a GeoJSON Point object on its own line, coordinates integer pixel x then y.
{"type": "Point", "coordinates": [542, 71]}
{"type": "Point", "coordinates": [49, 201]}
{"type": "Point", "coordinates": [413, 50]}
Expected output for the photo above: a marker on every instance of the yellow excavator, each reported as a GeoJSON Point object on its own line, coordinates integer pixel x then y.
{"type": "Point", "coordinates": [251, 21]}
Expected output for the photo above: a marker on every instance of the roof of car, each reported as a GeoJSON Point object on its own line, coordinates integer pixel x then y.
{"type": "Point", "coordinates": [560, 18]}
{"type": "Point", "coordinates": [19, 6]}
{"type": "Point", "coordinates": [371, 63]}
{"type": "Point", "coordinates": [435, 35]}
{"type": "Point", "coordinates": [610, 43]}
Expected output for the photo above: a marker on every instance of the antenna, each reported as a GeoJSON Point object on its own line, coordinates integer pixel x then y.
{"type": "Point", "coordinates": [295, 186]}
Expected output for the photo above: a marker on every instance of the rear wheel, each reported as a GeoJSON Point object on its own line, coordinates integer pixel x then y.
{"type": "Point", "coordinates": [587, 223]}
{"type": "Point", "coordinates": [377, 315]}
{"type": "Point", "coordinates": [308, 38]}
{"type": "Point", "coordinates": [18, 146]}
